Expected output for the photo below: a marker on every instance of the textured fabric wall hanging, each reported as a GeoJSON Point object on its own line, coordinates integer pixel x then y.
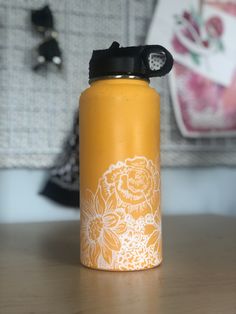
{"type": "Point", "coordinates": [37, 109]}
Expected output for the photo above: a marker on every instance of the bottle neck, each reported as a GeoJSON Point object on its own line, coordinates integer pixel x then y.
{"type": "Point", "coordinates": [117, 77]}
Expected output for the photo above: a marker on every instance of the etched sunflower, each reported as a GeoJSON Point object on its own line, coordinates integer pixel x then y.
{"type": "Point", "coordinates": [101, 224]}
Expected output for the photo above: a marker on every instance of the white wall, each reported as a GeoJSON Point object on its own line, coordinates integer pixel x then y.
{"type": "Point", "coordinates": [184, 191]}
{"type": "Point", "coordinates": [20, 200]}
{"type": "Point", "coordinates": [199, 190]}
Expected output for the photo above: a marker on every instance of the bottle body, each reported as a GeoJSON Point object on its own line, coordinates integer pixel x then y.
{"type": "Point", "coordinates": [120, 227]}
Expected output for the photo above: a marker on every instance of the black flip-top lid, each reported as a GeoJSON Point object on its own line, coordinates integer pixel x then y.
{"type": "Point", "coordinates": [142, 61]}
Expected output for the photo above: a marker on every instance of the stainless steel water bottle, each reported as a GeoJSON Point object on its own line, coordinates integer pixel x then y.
{"type": "Point", "coordinates": [120, 159]}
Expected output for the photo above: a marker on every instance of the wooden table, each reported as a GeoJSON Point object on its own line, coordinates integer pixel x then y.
{"type": "Point", "coordinates": [40, 272]}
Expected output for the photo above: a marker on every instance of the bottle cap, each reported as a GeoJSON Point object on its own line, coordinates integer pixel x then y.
{"type": "Point", "coordinates": [142, 61]}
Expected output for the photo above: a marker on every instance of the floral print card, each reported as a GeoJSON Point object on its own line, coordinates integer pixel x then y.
{"type": "Point", "coordinates": [204, 103]}
{"type": "Point", "coordinates": [199, 35]}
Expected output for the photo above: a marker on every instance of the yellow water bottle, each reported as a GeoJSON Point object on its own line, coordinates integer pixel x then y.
{"type": "Point", "coordinates": [120, 228]}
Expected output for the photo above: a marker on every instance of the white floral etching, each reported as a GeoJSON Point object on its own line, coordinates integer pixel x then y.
{"type": "Point", "coordinates": [120, 222]}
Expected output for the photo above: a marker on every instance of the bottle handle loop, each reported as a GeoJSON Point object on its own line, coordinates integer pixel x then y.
{"type": "Point", "coordinates": [157, 60]}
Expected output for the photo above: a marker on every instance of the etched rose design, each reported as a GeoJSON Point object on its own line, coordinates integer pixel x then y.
{"type": "Point", "coordinates": [136, 184]}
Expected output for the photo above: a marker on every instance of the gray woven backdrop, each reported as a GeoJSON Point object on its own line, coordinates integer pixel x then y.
{"type": "Point", "coordinates": [37, 109]}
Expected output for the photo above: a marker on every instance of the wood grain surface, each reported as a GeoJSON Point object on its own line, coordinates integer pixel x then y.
{"type": "Point", "coordinates": [40, 272]}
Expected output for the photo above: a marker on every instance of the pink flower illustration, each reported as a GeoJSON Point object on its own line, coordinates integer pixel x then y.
{"type": "Point", "coordinates": [228, 6]}
{"type": "Point", "coordinates": [214, 27]}
{"type": "Point", "coordinates": [178, 46]}
{"type": "Point", "coordinates": [188, 38]}
{"type": "Point", "coordinates": [229, 101]}
{"type": "Point", "coordinates": [204, 91]}
{"type": "Point", "coordinates": [190, 19]}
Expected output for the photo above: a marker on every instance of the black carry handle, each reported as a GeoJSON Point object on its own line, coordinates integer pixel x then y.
{"type": "Point", "coordinates": [141, 61]}
{"type": "Point", "coordinates": [161, 56]}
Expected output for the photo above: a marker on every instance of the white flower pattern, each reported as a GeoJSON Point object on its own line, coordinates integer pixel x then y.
{"type": "Point", "coordinates": [120, 222]}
